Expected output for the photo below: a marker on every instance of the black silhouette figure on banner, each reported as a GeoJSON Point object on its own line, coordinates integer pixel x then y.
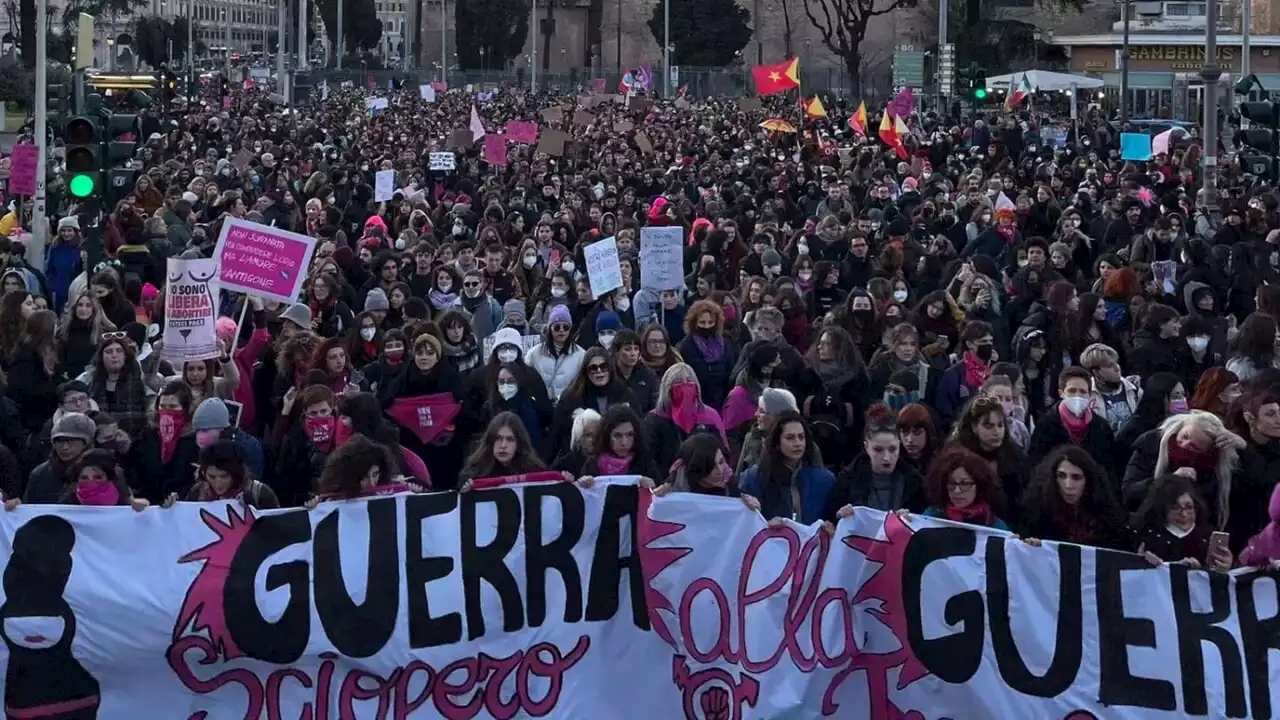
{"type": "Point", "coordinates": [43, 680]}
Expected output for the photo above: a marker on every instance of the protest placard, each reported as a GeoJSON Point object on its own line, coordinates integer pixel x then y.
{"type": "Point", "coordinates": [442, 161]}
{"type": "Point", "coordinates": [262, 261]}
{"type": "Point", "coordinates": [22, 169]}
{"type": "Point", "coordinates": [495, 150]}
{"type": "Point", "coordinates": [662, 258]}
{"type": "Point", "coordinates": [603, 270]}
{"type": "Point", "coordinates": [190, 310]}
{"type": "Point", "coordinates": [384, 184]}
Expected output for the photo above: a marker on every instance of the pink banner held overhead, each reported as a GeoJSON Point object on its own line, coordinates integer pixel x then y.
{"type": "Point", "coordinates": [522, 131]}
{"type": "Point", "coordinates": [495, 150]}
{"type": "Point", "coordinates": [426, 416]}
{"type": "Point", "coordinates": [262, 260]}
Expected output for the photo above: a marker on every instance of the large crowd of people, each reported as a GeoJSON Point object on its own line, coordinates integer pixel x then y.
{"type": "Point", "coordinates": [1020, 334]}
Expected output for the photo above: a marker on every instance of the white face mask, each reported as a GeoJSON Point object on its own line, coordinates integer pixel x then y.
{"type": "Point", "coordinates": [1198, 343]}
{"type": "Point", "coordinates": [508, 390]}
{"type": "Point", "coordinates": [805, 275]}
{"type": "Point", "coordinates": [606, 340]}
{"type": "Point", "coordinates": [1076, 405]}
{"type": "Point", "coordinates": [558, 292]}
{"type": "Point", "coordinates": [399, 243]}
{"type": "Point", "coordinates": [567, 266]}
{"type": "Point", "coordinates": [507, 355]}
{"type": "Point", "coordinates": [900, 295]}
{"type": "Point", "coordinates": [368, 333]}
{"type": "Point", "coordinates": [803, 248]}
{"type": "Point", "coordinates": [623, 304]}
{"type": "Point", "coordinates": [529, 260]}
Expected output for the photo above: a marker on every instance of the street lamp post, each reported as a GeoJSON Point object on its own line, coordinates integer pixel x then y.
{"type": "Point", "coordinates": [1210, 74]}
{"type": "Point", "coordinates": [1124, 65]}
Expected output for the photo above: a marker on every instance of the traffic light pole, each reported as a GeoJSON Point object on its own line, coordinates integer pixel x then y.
{"type": "Point", "coordinates": [1210, 74]}
{"type": "Point", "coordinates": [39, 223]}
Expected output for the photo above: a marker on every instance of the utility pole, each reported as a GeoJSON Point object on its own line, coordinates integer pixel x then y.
{"type": "Point", "coordinates": [1124, 65]}
{"type": "Point", "coordinates": [191, 48]}
{"type": "Point", "coordinates": [666, 48]}
{"type": "Point", "coordinates": [1210, 74]}
{"type": "Point", "coordinates": [342, 41]}
{"type": "Point", "coordinates": [226, 24]}
{"type": "Point", "coordinates": [1246, 28]}
{"type": "Point", "coordinates": [304, 52]}
{"type": "Point", "coordinates": [943, 12]}
{"type": "Point", "coordinates": [282, 75]}
{"type": "Point", "coordinates": [39, 223]}
{"type": "Point", "coordinates": [533, 45]}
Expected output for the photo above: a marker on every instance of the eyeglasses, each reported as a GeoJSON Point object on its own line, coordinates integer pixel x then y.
{"type": "Point", "coordinates": [961, 485]}
{"type": "Point", "coordinates": [600, 368]}
{"type": "Point", "coordinates": [470, 284]}
{"type": "Point", "coordinates": [114, 336]}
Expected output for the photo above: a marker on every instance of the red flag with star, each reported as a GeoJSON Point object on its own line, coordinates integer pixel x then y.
{"type": "Point", "coordinates": [777, 78]}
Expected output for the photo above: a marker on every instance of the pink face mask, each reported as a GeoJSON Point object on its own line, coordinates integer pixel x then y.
{"type": "Point", "coordinates": [320, 431]}
{"type": "Point", "coordinates": [98, 492]}
{"type": "Point", "coordinates": [205, 438]}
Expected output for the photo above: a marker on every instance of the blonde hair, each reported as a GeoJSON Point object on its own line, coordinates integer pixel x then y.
{"type": "Point", "coordinates": [1098, 355]}
{"type": "Point", "coordinates": [1228, 457]}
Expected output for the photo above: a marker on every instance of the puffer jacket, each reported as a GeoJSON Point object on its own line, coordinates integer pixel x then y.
{"type": "Point", "coordinates": [556, 372]}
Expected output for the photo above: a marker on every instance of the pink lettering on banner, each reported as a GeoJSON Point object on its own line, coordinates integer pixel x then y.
{"type": "Point", "coordinates": [263, 261]}
{"type": "Point", "coordinates": [22, 169]}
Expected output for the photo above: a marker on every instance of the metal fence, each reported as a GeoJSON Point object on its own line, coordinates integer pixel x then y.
{"type": "Point", "coordinates": [698, 82]}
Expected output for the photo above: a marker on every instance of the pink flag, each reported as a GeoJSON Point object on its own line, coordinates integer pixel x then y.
{"type": "Point", "coordinates": [903, 104]}
{"type": "Point", "coordinates": [738, 408]}
{"type": "Point", "coordinates": [426, 416]}
{"type": "Point", "coordinates": [1160, 143]}
{"type": "Point", "coordinates": [477, 125]}
{"type": "Point", "coordinates": [505, 480]}
{"type": "Point", "coordinates": [522, 132]}
{"type": "Point", "coordinates": [495, 150]}
{"type": "Point", "coordinates": [439, 86]}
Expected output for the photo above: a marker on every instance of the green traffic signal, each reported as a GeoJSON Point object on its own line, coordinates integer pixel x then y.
{"type": "Point", "coordinates": [980, 93]}
{"type": "Point", "coordinates": [81, 185]}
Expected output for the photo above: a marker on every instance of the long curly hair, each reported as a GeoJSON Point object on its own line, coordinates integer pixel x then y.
{"type": "Point", "coordinates": [947, 461]}
{"type": "Point", "coordinates": [346, 467]}
{"type": "Point", "coordinates": [1043, 499]}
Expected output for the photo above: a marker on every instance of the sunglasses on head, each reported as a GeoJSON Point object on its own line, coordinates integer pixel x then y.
{"type": "Point", "coordinates": [114, 336]}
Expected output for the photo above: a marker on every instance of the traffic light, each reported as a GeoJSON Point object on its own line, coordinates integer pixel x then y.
{"type": "Point", "coordinates": [168, 86]}
{"type": "Point", "coordinates": [83, 157]}
{"type": "Point", "coordinates": [1262, 136]}
{"type": "Point", "coordinates": [120, 140]}
{"type": "Point", "coordinates": [974, 81]}
{"type": "Point", "coordinates": [59, 103]}
{"type": "Point", "coordinates": [224, 86]}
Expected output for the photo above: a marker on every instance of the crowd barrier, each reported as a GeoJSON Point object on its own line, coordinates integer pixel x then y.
{"type": "Point", "coordinates": [553, 600]}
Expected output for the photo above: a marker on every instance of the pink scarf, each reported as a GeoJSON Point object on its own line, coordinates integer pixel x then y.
{"type": "Point", "coordinates": [612, 464]}
{"type": "Point", "coordinates": [684, 405]}
{"type": "Point", "coordinates": [1076, 426]}
{"type": "Point", "coordinates": [976, 372]}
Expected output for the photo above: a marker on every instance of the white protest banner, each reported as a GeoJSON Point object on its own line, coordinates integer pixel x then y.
{"type": "Point", "coordinates": [384, 184]}
{"type": "Point", "coordinates": [662, 258]}
{"type": "Point", "coordinates": [604, 272]}
{"type": "Point", "coordinates": [527, 599]}
{"type": "Point", "coordinates": [376, 103]}
{"type": "Point", "coordinates": [443, 161]}
{"type": "Point", "coordinates": [263, 261]}
{"type": "Point", "coordinates": [427, 92]}
{"type": "Point", "coordinates": [190, 310]}
{"type": "Point", "coordinates": [913, 618]}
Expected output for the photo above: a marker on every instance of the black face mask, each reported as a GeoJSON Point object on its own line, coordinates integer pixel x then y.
{"type": "Point", "coordinates": [983, 352]}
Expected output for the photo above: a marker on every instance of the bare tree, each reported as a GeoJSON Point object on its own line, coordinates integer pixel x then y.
{"type": "Point", "coordinates": [842, 25]}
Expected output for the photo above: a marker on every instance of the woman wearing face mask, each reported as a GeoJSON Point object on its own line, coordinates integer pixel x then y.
{"type": "Point", "coordinates": [528, 269]}
{"type": "Point", "coordinates": [507, 352]}
{"type": "Point", "coordinates": [1216, 392]}
{"type": "Point", "coordinates": [790, 481]}
{"type": "Point", "coordinates": [508, 396]}
{"type": "Point", "coordinates": [706, 349]}
{"type": "Point", "coordinates": [858, 317]}
{"type": "Point", "coordinates": [1070, 500]}
{"type": "Point", "coordinates": [313, 433]}
{"type": "Point", "coordinates": [392, 349]}
{"type": "Point", "coordinates": [96, 483]}
{"type": "Point", "coordinates": [167, 450]}
{"type": "Point", "coordinates": [556, 292]}
{"type": "Point", "coordinates": [680, 413]}
{"type": "Point", "coordinates": [963, 379]}
{"type": "Point", "coordinates": [1163, 394]}
{"type": "Point", "coordinates": [364, 341]}
{"type": "Point", "coordinates": [1073, 421]}
{"type": "Point", "coordinates": [222, 474]}
{"type": "Point", "coordinates": [1172, 525]}
{"type": "Point", "coordinates": [427, 372]}
{"type": "Point", "coordinates": [879, 478]}
{"type": "Point", "coordinates": [461, 348]}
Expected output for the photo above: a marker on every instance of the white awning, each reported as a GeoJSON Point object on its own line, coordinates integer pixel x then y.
{"type": "Point", "coordinates": [1043, 80]}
